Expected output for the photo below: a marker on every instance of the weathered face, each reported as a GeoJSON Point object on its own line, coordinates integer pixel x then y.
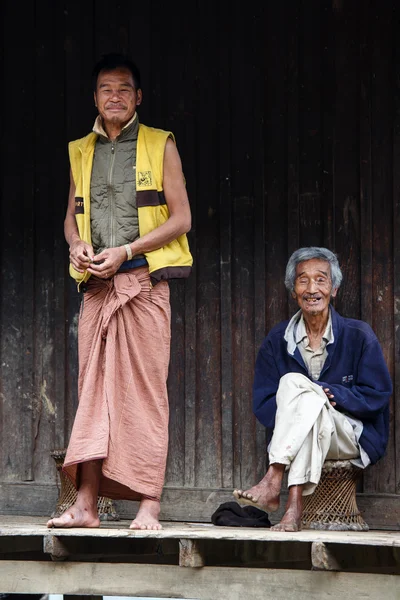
{"type": "Point", "coordinates": [116, 97]}
{"type": "Point", "coordinates": [313, 286]}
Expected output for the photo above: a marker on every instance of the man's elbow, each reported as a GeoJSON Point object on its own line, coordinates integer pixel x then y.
{"type": "Point", "coordinates": [187, 224]}
{"type": "Point", "coordinates": [182, 223]}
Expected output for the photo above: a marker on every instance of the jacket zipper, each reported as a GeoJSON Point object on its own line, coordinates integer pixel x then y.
{"type": "Point", "coordinates": [111, 196]}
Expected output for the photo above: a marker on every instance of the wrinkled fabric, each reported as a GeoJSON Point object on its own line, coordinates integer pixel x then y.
{"type": "Point", "coordinates": [113, 211]}
{"type": "Point", "coordinates": [122, 416]}
{"type": "Point", "coordinates": [231, 514]}
{"type": "Point", "coordinates": [308, 430]}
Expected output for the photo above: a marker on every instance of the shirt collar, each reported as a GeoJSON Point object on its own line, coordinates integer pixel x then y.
{"type": "Point", "coordinates": [99, 129]}
{"type": "Point", "coordinates": [300, 331]}
{"type": "Point", "coordinates": [290, 335]}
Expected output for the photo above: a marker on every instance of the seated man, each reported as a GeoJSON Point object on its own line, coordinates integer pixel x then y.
{"type": "Point", "coordinates": [321, 384]}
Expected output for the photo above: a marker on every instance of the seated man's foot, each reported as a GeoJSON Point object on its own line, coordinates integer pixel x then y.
{"type": "Point", "coordinates": [147, 517]}
{"type": "Point", "coordinates": [76, 516]}
{"type": "Point", "coordinates": [291, 520]}
{"type": "Point", "coordinates": [264, 496]}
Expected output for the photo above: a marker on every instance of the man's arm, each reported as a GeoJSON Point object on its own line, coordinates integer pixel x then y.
{"type": "Point", "coordinates": [265, 386]}
{"type": "Point", "coordinates": [371, 391]}
{"type": "Point", "coordinates": [80, 253]}
{"type": "Point", "coordinates": [179, 220]}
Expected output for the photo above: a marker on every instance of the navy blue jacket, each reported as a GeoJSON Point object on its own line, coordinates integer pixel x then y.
{"type": "Point", "coordinates": [355, 371]}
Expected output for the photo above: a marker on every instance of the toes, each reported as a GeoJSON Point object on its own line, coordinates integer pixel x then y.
{"type": "Point", "coordinates": [249, 496]}
{"type": "Point", "coordinates": [144, 526]}
{"type": "Point", "coordinates": [288, 528]}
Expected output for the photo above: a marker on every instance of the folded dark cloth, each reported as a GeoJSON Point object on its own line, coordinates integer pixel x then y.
{"type": "Point", "coordinates": [232, 514]}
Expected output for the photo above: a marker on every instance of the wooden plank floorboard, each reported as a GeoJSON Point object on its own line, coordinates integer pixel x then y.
{"type": "Point", "coordinates": [36, 526]}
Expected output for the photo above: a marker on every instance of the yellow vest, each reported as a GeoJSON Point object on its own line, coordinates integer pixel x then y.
{"type": "Point", "coordinates": [173, 260]}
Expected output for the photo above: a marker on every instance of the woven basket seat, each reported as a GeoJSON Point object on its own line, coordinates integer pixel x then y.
{"type": "Point", "coordinates": [68, 493]}
{"type": "Point", "coordinates": [333, 504]}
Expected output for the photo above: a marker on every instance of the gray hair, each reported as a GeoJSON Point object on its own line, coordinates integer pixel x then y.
{"type": "Point", "coordinates": [307, 254]}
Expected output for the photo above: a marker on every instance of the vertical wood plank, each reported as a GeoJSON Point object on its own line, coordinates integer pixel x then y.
{"type": "Point", "coordinates": [396, 239]}
{"type": "Point", "coordinates": [292, 127]}
{"type": "Point", "coordinates": [310, 71]}
{"type": "Point", "coordinates": [111, 27]}
{"type": "Point", "coordinates": [242, 154]}
{"type": "Point", "coordinates": [347, 238]}
{"type": "Point", "coordinates": [16, 344]}
{"type": "Point", "coordinates": [208, 349]}
{"type": "Point", "coordinates": [275, 166]}
{"type": "Point", "coordinates": [226, 123]}
{"type": "Point", "coordinates": [366, 260]}
{"type": "Point", "coordinates": [328, 92]}
{"type": "Point", "coordinates": [51, 188]}
{"type": "Point", "coordinates": [382, 477]}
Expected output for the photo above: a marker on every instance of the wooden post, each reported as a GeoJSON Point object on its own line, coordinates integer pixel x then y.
{"type": "Point", "coordinates": [322, 558]}
{"type": "Point", "coordinates": [55, 547]}
{"type": "Point", "coordinates": [190, 553]}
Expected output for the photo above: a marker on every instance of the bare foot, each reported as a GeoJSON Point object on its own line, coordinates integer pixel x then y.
{"type": "Point", "coordinates": [266, 494]}
{"type": "Point", "coordinates": [291, 520]}
{"type": "Point", "coordinates": [76, 516]}
{"type": "Point", "coordinates": [147, 517]}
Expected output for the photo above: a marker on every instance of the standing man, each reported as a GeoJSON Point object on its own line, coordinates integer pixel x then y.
{"type": "Point", "coordinates": [321, 385]}
{"type": "Point", "coordinates": [127, 216]}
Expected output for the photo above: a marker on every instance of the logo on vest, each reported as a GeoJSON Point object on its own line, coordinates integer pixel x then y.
{"type": "Point", "coordinates": [145, 179]}
{"type": "Point", "coordinates": [347, 378]}
{"type": "Point", "coordinates": [79, 206]}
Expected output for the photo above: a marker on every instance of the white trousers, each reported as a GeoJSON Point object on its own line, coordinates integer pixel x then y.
{"type": "Point", "coordinates": [307, 431]}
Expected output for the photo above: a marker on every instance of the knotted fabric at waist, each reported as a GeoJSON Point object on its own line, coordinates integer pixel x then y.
{"type": "Point", "coordinates": [117, 291]}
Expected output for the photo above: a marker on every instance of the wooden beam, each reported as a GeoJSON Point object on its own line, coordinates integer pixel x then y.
{"type": "Point", "coordinates": [396, 555]}
{"type": "Point", "coordinates": [10, 545]}
{"type": "Point", "coordinates": [190, 553]}
{"type": "Point", "coordinates": [322, 558]}
{"type": "Point", "coordinates": [209, 583]}
{"type": "Point", "coordinates": [12, 526]}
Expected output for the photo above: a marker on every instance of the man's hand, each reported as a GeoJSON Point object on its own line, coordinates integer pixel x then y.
{"type": "Point", "coordinates": [329, 396]}
{"type": "Point", "coordinates": [107, 263]}
{"type": "Point", "coordinates": [80, 255]}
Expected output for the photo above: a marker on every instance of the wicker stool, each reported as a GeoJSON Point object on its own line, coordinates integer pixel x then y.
{"type": "Point", "coordinates": [68, 493]}
{"type": "Point", "coordinates": [333, 504]}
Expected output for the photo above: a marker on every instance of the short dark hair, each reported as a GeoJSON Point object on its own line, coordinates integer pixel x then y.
{"type": "Point", "coordinates": [113, 61]}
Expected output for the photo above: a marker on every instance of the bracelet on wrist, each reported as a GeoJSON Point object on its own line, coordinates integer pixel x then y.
{"type": "Point", "coordinates": [129, 253]}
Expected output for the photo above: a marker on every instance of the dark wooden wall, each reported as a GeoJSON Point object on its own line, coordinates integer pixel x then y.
{"type": "Point", "coordinates": [287, 118]}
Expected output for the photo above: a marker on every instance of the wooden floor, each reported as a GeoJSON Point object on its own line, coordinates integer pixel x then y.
{"type": "Point", "coordinates": [197, 560]}
{"type": "Point", "coordinates": [36, 526]}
